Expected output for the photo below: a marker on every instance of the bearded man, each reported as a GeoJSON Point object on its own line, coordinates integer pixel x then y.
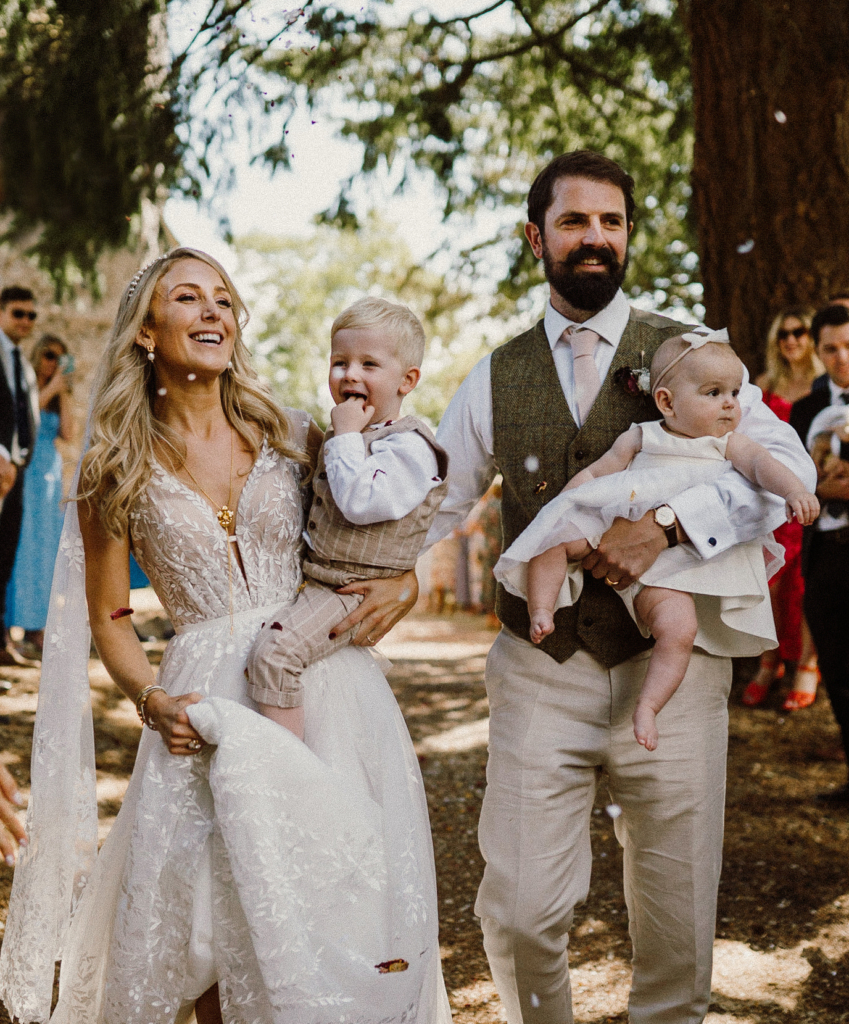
{"type": "Point", "coordinates": [538, 410]}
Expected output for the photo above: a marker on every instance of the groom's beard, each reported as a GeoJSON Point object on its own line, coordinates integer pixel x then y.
{"type": "Point", "coordinates": [585, 290]}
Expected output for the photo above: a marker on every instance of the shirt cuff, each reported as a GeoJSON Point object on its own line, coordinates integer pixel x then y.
{"type": "Point", "coordinates": [4, 451]}
{"type": "Point", "coordinates": [700, 510]}
{"type": "Point", "coordinates": [340, 446]}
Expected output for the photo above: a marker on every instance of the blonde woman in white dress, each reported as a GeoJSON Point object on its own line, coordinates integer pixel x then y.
{"type": "Point", "coordinates": [249, 877]}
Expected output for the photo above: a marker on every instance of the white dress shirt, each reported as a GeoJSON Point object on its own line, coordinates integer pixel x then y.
{"type": "Point", "coordinates": [8, 367]}
{"type": "Point", "coordinates": [827, 522]}
{"type": "Point", "coordinates": [394, 479]}
{"type": "Point", "coordinates": [715, 516]}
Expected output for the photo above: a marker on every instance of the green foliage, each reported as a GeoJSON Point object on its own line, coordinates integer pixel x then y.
{"type": "Point", "coordinates": [296, 287]}
{"type": "Point", "coordinates": [483, 101]}
{"type": "Point", "coordinates": [88, 125]}
{"type": "Point", "coordinates": [96, 114]}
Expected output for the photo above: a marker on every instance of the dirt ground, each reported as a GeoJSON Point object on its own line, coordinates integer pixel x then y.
{"type": "Point", "coordinates": [782, 946]}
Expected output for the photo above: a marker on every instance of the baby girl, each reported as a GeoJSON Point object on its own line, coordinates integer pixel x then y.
{"type": "Point", "coordinates": [695, 381]}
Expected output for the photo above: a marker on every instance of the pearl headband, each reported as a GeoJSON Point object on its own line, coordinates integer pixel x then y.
{"type": "Point", "coordinates": [140, 274]}
{"type": "Point", "coordinates": [697, 340]}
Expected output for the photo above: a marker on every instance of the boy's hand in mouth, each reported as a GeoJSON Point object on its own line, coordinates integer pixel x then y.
{"type": "Point", "coordinates": [351, 416]}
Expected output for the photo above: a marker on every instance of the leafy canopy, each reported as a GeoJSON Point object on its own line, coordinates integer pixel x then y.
{"type": "Point", "coordinates": [482, 100]}
{"type": "Point", "coordinates": [296, 287]}
{"type": "Point", "coordinates": [88, 125]}
{"type": "Point", "coordinates": [99, 113]}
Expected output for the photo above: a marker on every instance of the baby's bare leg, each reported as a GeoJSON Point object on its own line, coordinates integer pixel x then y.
{"type": "Point", "coordinates": [546, 573]}
{"type": "Point", "coordinates": [671, 617]}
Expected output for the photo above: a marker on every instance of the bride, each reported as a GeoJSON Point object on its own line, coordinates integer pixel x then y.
{"type": "Point", "coordinates": [249, 877]}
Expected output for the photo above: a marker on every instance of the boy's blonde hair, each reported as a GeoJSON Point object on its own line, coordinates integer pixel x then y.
{"type": "Point", "coordinates": [401, 323]}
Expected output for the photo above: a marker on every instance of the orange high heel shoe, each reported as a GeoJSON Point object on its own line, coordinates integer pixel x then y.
{"type": "Point", "coordinates": [756, 691]}
{"type": "Point", "coordinates": [798, 700]}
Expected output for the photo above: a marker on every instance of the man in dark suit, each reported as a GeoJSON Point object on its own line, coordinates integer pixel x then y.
{"type": "Point", "coordinates": [18, 427]}
{"type": "Point", "coordinates": [825, 559]}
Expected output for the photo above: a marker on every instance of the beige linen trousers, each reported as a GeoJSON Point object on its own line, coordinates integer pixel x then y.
{"type": "Point", "coordinates": [553, 730]}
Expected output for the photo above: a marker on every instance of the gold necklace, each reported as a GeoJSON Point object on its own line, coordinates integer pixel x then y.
{"type": "Point", "coordinates": [224, 514]}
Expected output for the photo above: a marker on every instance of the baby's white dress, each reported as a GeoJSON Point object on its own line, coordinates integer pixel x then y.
{"type": "Point", "coordinates": [291, 873]}
{"type": "Point", "coordinates": [731, 590]}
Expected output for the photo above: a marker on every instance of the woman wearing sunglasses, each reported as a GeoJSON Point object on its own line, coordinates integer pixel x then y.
{"type": "Point", "coordinates": [791, 367]}
{"type": "Point", "coordinates": [28, 594]}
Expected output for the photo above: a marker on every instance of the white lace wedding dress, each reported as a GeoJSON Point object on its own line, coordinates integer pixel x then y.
{"type": "Point", "coordinates": [298, 876]}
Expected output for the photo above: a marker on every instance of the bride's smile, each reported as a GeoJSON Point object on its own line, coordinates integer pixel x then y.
{"type": "Point", "coordinates": [191, 325]}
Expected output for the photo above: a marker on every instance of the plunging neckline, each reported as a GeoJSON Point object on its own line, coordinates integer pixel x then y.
{"type": "Point", "coordinates": [230, 538]}
{"type": "Point", "coordinates": [205, 501]}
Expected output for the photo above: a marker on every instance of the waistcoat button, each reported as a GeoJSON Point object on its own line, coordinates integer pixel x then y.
{"type": "Point", "coordinates": [580, 455]}
{"type": "Point", "coordinates": [312, 524]}
{"type": "Point", "coordinates": [318, 500]}
{"type": "Point", "coordinates": [322, 475]}
{"type": "Point", "coordinates": [589, 622]}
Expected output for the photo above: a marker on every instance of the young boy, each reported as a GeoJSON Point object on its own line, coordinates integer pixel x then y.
{"type": "Point", "coordinates": [378, 483]}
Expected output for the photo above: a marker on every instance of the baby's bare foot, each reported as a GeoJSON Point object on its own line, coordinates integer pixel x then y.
{"type": "Point", "coordinates": [645, 726]}
{"type": "Point", "coordinates": [542, 623]}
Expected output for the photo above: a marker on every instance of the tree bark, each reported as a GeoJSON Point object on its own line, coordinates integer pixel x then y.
{"type": "Point", "coordinates": [771, 158]}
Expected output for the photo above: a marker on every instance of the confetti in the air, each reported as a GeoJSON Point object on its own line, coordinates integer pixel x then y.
{"type": "Point", "coordinates": [193, 376]}
{"type": "Point", "coordinates": [162, 392]}
{"type": "Point", "coordinates": [746, 246]}
{"type": "Point", "coordinates": [534, 1000]}
{"type": "Point", "coordinates": [532, 463]}
{"type": "Point", "coordinates": [781, 117]}
{"type": "Point", "coordinates": [614, 810]}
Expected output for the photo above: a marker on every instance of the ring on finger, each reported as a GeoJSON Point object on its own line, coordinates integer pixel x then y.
{"type": "Point", "coordinates": [194, 744]}
{"type": "Point", "coordinates": [369, 640]}
{"type": "Point", "coordinates": [610, 582]}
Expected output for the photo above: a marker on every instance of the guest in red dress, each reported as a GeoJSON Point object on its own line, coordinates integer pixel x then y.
{"type": "Point", "coordinates": [791, 368]}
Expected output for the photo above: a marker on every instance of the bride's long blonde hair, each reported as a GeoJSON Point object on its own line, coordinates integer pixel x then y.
{"type": "Point", "coordinates": [124, 433]}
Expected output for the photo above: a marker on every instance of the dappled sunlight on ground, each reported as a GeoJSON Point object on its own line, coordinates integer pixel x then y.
{"type": "Point", "coordinates": [782, 949]}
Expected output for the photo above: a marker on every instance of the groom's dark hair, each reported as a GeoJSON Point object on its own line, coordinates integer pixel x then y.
{"type": "Point", "coordinates": [580, 163]}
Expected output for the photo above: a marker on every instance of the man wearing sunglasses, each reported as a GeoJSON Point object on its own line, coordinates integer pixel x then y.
{"type": "Point", "coordinates": [19, 417]}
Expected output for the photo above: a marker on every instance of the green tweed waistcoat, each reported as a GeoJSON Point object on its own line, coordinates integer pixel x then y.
{"type": "Point", "coordinates": [531, 419]}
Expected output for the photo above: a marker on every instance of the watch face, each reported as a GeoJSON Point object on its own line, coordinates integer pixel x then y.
{"type": "Point", "coordinates": [664, 516]}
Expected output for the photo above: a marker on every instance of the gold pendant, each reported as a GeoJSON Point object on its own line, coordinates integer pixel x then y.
{"type": "Point", "coordinates": [224, 517]}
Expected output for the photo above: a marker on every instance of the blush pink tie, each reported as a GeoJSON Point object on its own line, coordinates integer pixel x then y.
{"type": "Point", "coordinates": [587, 380]}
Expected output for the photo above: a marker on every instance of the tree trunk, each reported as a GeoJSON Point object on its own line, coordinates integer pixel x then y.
{"type": "Point", "coordinates": [771, 158]}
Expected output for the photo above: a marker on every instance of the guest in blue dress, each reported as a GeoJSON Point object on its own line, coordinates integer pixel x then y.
{"type": "Point", "coordinates": [28, 593]}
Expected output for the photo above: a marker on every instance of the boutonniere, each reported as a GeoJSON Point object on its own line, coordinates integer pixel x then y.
{"type": "Point", "coordinates": [633, 382]}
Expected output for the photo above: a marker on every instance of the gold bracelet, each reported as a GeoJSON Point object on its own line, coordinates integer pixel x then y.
{"type": "Point", "coordinates": [141, 704]}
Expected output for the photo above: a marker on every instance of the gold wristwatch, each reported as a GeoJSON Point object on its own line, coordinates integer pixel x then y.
{"type": "Point", "coordinates": [665, 519]}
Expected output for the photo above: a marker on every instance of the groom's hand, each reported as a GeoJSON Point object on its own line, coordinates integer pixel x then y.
{"type": "Point", "coordinates": [626, 551]}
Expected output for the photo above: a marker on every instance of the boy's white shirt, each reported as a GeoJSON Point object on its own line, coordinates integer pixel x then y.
{"type": "Point", "coordinates": [714, 516]}
{"type": "Point", "coordinates": [393, 480]}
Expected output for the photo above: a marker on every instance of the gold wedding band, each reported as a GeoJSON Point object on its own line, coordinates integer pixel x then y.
{"type": "Point", "coordinates": [610, 582]}
{"type": "Point", "coordinates": [369, 640]}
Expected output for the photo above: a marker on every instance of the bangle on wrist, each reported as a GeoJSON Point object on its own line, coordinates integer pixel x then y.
{"type": "Point", "coordinates": [141, 704]}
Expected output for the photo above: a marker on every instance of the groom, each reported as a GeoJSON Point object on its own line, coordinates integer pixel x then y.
{"type": "Point", "coordinates": [538, 410]}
